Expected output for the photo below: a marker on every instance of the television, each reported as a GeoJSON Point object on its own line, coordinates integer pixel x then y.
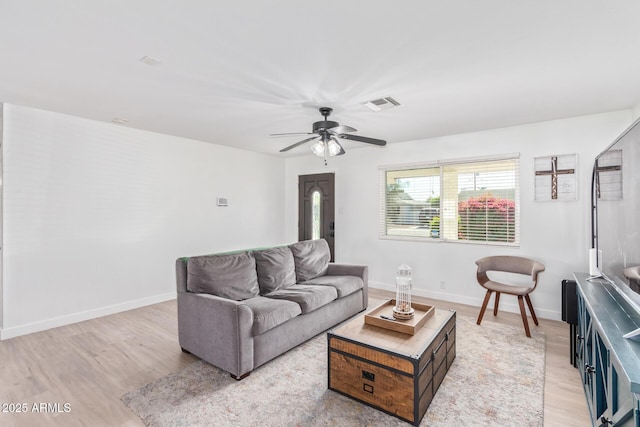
{"type": "Point", "coordinates": [615, 217]}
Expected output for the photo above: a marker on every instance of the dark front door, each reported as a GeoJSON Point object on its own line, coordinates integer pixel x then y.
{"type": "Point", "coordinates": [316, 201]}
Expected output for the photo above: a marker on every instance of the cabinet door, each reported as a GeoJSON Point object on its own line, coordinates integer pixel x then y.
{"type": "Point", "coordinates": [593, 361]}
{"type": "Point", "coordinates": [622, 410]}
{"type": "Point", "coordinates": [600, 378]}
{"type": "Point", "coordinates": [586, 355]}
{"type": "Point", "coordinates": [581, 349]}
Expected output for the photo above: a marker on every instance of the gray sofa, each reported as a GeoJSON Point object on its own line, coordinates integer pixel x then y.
{"type": "Point", "coordinates": [239, 310]}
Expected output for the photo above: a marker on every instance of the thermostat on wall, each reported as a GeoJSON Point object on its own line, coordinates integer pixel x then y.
{"type": "Point", "coordinates": [222, 201]}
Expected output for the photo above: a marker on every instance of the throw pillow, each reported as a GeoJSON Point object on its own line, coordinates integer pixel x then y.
{"type": "Point", "coordinates": [311, 258]}
{"type": "Point", "coordinates": [276, 269]}
{"type": "Point", "coordinates": [231, 276]}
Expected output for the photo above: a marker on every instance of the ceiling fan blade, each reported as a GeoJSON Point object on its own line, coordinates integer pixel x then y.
{"type": "Point", "coordinates": [342, 129]}
{"type": "Point", "coordinates": [364, 139]}
{"type": "Point", "coordinates": [298, 143]}
{"type": "Point", "coordinates": [291, 134]}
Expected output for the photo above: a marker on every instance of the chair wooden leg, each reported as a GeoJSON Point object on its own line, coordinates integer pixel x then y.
{"type": "Point", "coordinates": [531, 310]}
{"type": "Point", "coordinates": [496, 303]}
{"type": "Point", "coordinates": [484, 306]}
{"type": "Point", "coordinates": [524, 315]}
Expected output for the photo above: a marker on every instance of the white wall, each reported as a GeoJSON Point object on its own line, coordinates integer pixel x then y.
{"type": "Point", "coordinates": [636, 111]}
{"type": "Point", "coordinates": [95, 214]}
{"type": "Point", "coordinates": [556, 233]}
{"type": "Point", "coordinates": [1, 163]}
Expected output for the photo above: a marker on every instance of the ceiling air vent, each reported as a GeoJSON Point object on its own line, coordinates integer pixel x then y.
{"type": "Point", "coordinates": [381, 104]}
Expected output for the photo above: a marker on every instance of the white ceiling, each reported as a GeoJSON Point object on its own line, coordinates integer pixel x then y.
{"type": "Point", "coordinates": [233, 72]}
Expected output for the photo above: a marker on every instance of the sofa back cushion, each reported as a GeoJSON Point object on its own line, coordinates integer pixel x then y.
{"type": "Point", "coordinates": [311, 258]}
{"type": "Point", "coordinates": [276, 269]}
{"type": "Point", "coordinates": [231, 276]}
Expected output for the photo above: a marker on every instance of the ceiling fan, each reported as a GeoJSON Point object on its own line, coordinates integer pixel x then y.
{"type": "Point", "coordinates": [326, 134]}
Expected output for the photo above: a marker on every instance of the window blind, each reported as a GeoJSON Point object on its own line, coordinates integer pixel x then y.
{"type": "Point", "coordinates": [471, 201]}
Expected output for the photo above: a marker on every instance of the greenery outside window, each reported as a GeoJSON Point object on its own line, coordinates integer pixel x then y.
{"type": "Point", "coordinates": [464, 201]}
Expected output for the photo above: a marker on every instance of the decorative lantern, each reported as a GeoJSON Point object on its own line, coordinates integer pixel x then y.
{"type": "Point", "coordinates": [403, 310]}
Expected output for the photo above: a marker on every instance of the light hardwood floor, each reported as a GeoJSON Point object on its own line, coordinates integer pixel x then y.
{"type": "Point", "coordinates": [564, 400]}
{"type": "Point", "coordinates": [90, 365]}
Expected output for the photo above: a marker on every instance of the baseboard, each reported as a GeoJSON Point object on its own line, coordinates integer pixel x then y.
{"type": "Point", "coordinates": [472, 301]}
{"type": "Point", "coordinates": [55, 322]}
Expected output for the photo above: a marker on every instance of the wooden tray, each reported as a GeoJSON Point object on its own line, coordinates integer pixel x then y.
{"type": "Point", "coordinates": [422, 313]}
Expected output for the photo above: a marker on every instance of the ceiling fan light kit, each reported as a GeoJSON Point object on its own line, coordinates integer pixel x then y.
{"type": "Point", "coordinates": [318, 148]}
{"type": "Point", "coordinates": [326, 134]}
{"type": "Point", "coordinates": [331, 147]}
{"type": "Point", "coordinates": [334, 147]}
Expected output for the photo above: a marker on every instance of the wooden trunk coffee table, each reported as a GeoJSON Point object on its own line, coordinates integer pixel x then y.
{"type": "Point", "coordinates": [394, 372]}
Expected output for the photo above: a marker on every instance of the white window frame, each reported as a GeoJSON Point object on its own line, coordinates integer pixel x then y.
{"type": "Point", "coordinates": [441, 164]}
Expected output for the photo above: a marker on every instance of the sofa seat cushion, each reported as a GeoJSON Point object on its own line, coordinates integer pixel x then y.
{"type": "Point", "coordinates": [308, 297]}
{"type": "Point", "coordinates": [311, 258]}
{"type": "Point", "coordinates": [231, 276]}
{"type": "Point", "coordinates": [345, 285]}
{"type": "Point", "coordinates": [276, 269]}
{"type": "Point", "coordinates": [269, 313]}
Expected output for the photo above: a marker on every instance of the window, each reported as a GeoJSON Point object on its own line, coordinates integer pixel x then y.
{"type": "Point", "coordinates": [470, 201]}
{"type": "Point", "coordinates": [316, 201]}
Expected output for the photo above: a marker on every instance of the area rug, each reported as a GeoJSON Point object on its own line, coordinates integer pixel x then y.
{"type": "Point", "coordinates": [497, 379]}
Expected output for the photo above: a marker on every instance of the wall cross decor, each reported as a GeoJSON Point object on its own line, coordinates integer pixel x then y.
{"type": "Point", "coordinates": [556, 177]}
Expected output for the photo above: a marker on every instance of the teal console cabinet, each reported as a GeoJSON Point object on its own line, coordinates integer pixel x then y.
{"type": "Point", "coordinates": [609, 364]}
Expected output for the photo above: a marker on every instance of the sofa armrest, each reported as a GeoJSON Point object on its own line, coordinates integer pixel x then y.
{"type": "Point", "coordinates": [181, 274]}
{"type": "Point", "coordinates": [361, 271]}
{"type": "Point", "coordinates": [217, 330]}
